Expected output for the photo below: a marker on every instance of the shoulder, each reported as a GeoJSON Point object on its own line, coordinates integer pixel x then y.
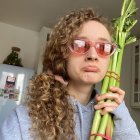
{"type": "Point", "coordinates": [22, 113]}
{"type": "Point", "coordinates": [16, 125]}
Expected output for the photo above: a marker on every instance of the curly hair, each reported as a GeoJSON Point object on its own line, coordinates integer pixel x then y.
{"type": "Point", "coordinates": [47, 100]}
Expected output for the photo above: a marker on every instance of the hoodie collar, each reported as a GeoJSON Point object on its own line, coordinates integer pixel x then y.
{"type": "Point", "coordinates": [80, 109]}
{"type": "Point", "coordinates": [84, 108]}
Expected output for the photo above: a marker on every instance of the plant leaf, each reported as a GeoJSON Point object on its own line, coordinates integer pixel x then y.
{"type": "Point", "coordinates": [130, 40]}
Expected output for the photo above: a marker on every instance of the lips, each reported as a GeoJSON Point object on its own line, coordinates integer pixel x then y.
{"type": "Point", "coordinates": [91, 69]}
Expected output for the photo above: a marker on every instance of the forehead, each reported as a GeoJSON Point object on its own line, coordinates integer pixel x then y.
{"type": "Point", "coordinates": [94, 30]}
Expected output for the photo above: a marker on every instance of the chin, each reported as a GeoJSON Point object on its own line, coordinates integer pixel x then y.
{"type": "Point", "coordinates": [91, 82]}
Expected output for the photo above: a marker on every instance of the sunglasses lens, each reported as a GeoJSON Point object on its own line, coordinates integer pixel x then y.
{"type": "Point", "coordinates": [104, 49]}
{"type": "Point", "coordinates": [79, 46]}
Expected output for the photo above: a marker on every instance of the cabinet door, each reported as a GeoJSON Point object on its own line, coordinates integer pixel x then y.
{"type": "Point", "coordinates": [135, 100]}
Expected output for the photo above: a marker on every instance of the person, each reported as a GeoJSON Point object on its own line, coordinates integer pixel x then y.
{"type": "Point", "coordinates": [61, 101]}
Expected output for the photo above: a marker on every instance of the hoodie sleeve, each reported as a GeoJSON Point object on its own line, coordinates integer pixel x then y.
{"type": "Point", "coordinates": [125, 128]}
{"type": "Point", "coordinates": [10, 129]}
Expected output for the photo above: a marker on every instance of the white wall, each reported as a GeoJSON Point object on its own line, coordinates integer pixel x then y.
{"type": "Point", "coordinates": [42, 45]}
{"type": "Point", "coordinates": [26, 40]}
{"type": "Point", "coordinates": [126, 83]}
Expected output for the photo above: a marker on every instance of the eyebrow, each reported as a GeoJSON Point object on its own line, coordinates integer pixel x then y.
{"type": "Point", "coordinates": [101, 38]}
{"type": "Point", "coordinates": [104, 39]}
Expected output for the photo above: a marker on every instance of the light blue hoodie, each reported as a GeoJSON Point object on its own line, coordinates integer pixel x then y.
{"type": "Point", "coordinates": [16, 126]}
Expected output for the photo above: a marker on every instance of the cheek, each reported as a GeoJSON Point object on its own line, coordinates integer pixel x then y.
{"type": "Point", "coordinates": [105, 65]}
{"type": "Point", "coordinates": [73, 66]}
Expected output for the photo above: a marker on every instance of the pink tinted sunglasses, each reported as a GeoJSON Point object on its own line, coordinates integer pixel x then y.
{"type": "Point", "coordinates": [80, 46]}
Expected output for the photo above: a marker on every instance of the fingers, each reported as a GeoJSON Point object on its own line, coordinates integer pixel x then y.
{"type": "Point", "coordinates": [58, 78]}
{"type": "Point", "coordinates": [106, 107]}
{"type": "Point", "coordinates": [61, 80]}
{"type": "Point", "coordinates": [111, 96]}
{"type": "Point", "coordinates": [117, 97]}
{"type": "Point", "coordinates": [117, 90]}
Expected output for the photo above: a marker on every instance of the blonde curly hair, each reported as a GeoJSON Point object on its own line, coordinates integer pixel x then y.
{"type": "Point", "coordinates": [48, 103]}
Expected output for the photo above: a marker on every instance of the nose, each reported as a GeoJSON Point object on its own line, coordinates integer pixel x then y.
{"type": "Point", "coordinates": [92, 54]}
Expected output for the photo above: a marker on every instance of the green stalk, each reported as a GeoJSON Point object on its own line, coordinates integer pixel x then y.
{"type": "Point", "coordinates": [124, 7]}
{"type": "Point", "coordinates": [130, 7]}
{"type": "Point", "coordinates": [97, 116]}
{"type": "Point", "coordinates": [116, 67]}
{"type": "Point", "coordinates": [102, 126]}
{"type": "Point", "coordinates": [111, 83]}
{"type": "Point", "coordinates": [106, 80]}
{"type": "Point", "coordinates": [122, 22]}
{"type": "Point", "coordinates": [110, 126]}
{"type": "Point", "coordinates": [96, 124]}
{"type": "Point", "coordinates": [123, 25]}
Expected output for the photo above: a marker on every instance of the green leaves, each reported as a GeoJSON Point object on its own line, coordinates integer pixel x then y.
{"type": "Point", "coordinates": [130, 40]}
{"type": "Point", "coordinates": [125, 23]}
{"type": "Point", "coordinates": [131, 23]}
{"type": "Point", "coordinates": [129, 7]}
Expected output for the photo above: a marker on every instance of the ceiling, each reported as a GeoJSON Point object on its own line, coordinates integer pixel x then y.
{"type": "Point", "coordinates": [33, 14]}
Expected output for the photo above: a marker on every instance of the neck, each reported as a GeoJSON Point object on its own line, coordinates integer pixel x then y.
{"type": "Point", "coordinates": [81, 92]}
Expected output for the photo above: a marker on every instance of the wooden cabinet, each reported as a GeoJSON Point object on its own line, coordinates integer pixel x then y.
{"type": "Point", "coordinates": [135, 98]}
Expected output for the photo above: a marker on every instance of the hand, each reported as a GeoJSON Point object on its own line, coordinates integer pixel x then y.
{"type": "Point", "coordinates": [58, 78]}
{"type": "Point", "coordinates": [116, 96]}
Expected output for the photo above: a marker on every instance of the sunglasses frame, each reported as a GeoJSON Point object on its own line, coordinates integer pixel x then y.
{"type": "Point", "coordinates": [92, 44]}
